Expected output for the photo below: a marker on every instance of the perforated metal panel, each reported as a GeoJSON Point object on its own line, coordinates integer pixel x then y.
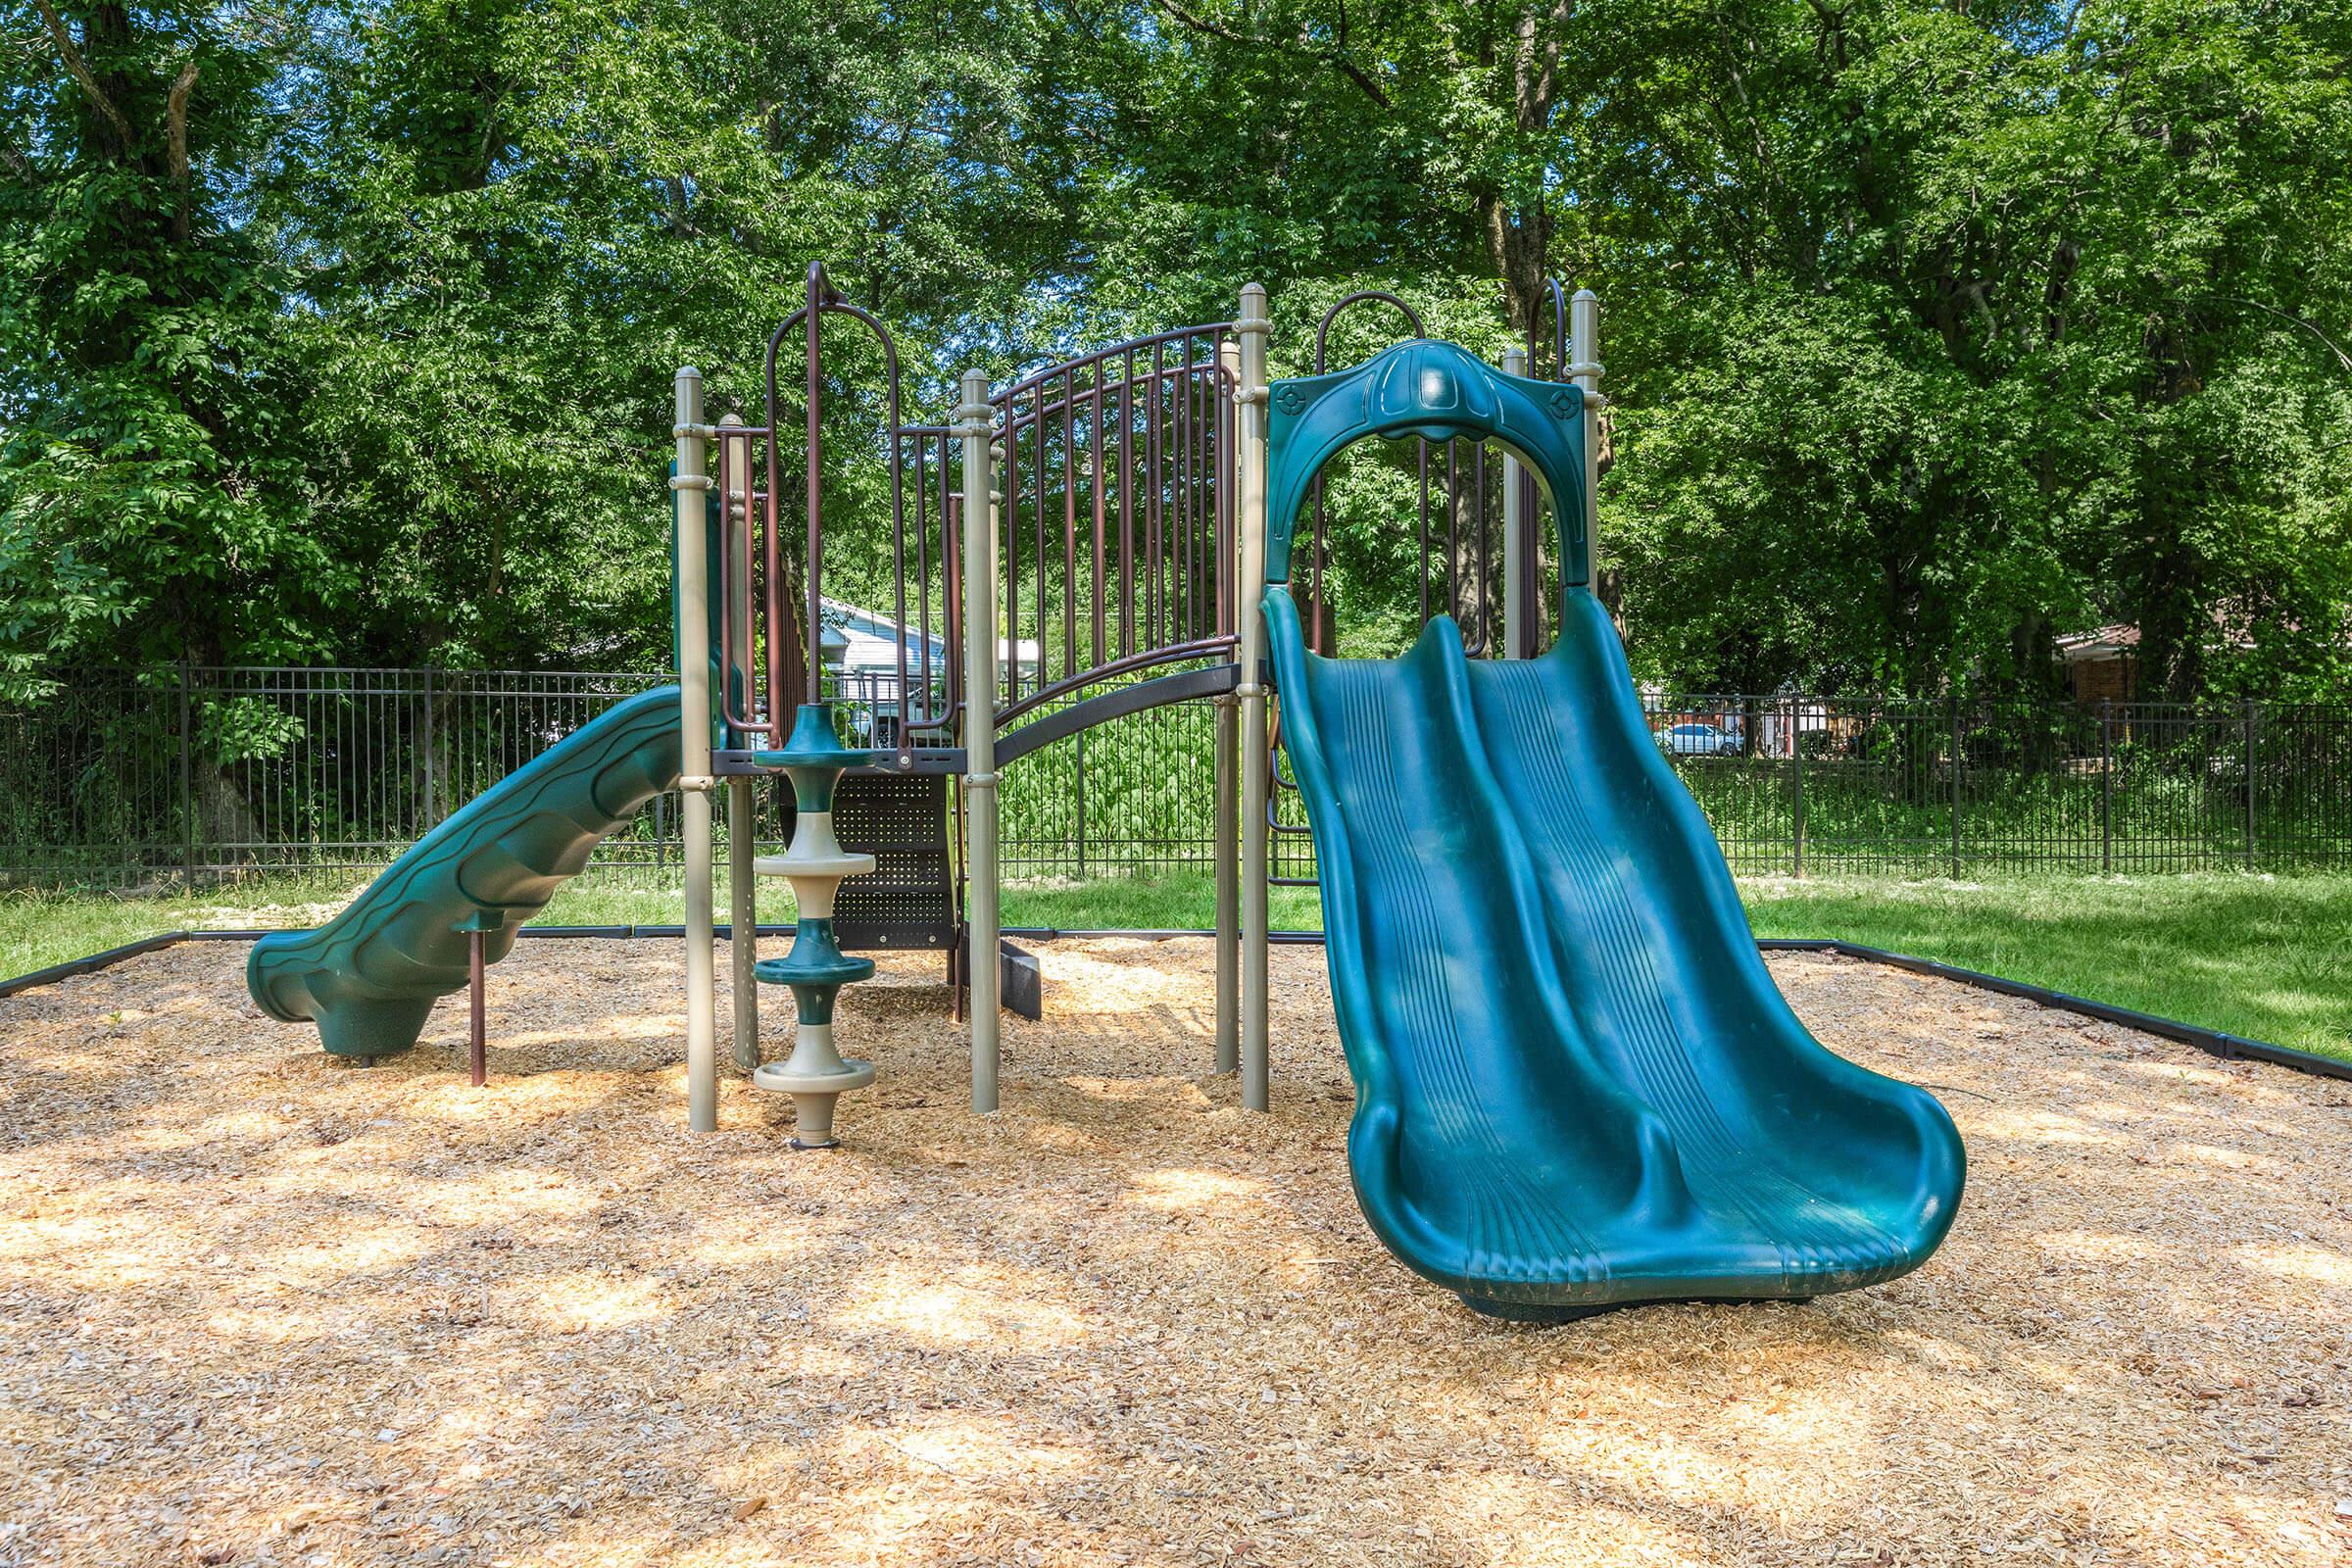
{"type": "Point", "coordinates": [901, 819]}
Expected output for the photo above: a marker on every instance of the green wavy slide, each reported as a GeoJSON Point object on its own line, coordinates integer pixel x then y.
{"type": "Point", "coordinates": [1577, 1086]}
{"type": "Point", "coordinates": [370, 975]}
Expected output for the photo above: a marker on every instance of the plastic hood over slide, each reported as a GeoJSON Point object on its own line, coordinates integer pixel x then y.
{"type": "Point", "coordinates": [370, 975]}
{"type": "Point", "coordinates": [1577, 1085]}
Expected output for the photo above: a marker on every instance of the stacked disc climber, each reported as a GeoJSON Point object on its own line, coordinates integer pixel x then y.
{"type": "Point", "coordinates": [814, 1075]}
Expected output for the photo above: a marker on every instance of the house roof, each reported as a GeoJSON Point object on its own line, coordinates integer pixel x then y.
{"type": "Point", "coordinates": [846, 624]}
{"type": "Point", "coordinates": [2102, 642]}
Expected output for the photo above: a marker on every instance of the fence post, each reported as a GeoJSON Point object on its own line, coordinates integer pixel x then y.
{"type": "Point", "coordinates": [1796, 771]}
{"type": "Point", "coordinates": [2253, 718]}
{"type": "Point", "coordinates": [1955, 786]}
{"type": "Point", "coordinates": [2106, 787]}
{"type": "Point", "coordinates": [1081, 739]}
{"type": "Point", "coordinates": [187, 786]}
{"type": "Point", "coordinates": [425, 818]}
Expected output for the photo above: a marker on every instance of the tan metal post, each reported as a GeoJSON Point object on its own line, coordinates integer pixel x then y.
{"type": "Point", "coordinates": [1514, 548]}
{"type": "Point", "coordinates": [743, 906]}
{"type": "Point", "coordinates": [1249, 526]}
{"type": "Point", "coordinates": [974, 420]}
{"type": "Point", "coordinates": [1584, 326]}
{"type": "Point", "coordinates": [688, 488]}
{"type": "Point", "coordinates": [1228, 803]}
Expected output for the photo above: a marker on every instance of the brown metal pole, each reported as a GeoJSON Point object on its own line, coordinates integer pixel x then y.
{"type": "Point", "coordinates": [815, 630]}
{"type": "Point", "coordinates": [478, 1050]}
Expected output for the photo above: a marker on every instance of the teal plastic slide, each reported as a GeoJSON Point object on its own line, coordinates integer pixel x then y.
{"type": "Point", "coordinates": [1577, 1086]}
{"type": "Point", "coordinates": [370, 975]}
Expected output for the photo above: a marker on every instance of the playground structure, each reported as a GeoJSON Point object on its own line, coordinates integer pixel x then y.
{"type": "Point", "coordinates": [1577, 1086]}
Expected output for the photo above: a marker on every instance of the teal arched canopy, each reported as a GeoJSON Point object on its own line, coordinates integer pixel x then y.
{"type": "Point", "coordinates": [1425, 388]}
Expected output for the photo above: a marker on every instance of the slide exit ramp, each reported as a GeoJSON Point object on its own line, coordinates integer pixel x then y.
{"type": "Point", "coordinates": [370, 975]}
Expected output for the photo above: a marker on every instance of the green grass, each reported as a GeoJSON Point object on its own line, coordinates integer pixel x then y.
{"type": "Point", "coordinates": [39, 929]}
{"type": "Point", "coordinates": [2268, 958]}
{"type": "Point", "coordinates": [2259, 957]}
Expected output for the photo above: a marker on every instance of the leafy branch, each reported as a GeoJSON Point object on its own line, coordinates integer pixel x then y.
{"type": "Point", "coordinates": [1337, 58]}
{"type": "Point", "coordinates": [80, 70]}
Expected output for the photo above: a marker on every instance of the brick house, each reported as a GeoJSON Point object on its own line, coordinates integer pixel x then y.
{"type": "Point", "coordinates": [2102, 665]}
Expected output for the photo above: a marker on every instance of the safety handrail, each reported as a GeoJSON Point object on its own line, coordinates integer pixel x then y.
{"type": "Point", "coordinates": [1117, 514]}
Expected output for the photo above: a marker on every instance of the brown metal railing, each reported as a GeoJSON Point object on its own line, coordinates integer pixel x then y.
{"type": "Point", "coordinates": [1117, 539]}
{"type": "Point", "coordinates": [770, 590]}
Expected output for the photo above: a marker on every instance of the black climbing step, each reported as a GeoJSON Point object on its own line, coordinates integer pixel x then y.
{"type": "Point", "coordinates": [901, 819]}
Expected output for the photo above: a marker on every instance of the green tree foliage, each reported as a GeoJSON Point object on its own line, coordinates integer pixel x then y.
{"type": "Point", "coordinates": [1973, 326]}
{"type": "Point", "coordinates": [1936, 330]}
{"type": "Point", "coordinates": [154, 497]}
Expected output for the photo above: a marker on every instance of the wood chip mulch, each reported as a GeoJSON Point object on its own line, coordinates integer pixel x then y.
{"type": "Point", "coordinates": [257, 1309]}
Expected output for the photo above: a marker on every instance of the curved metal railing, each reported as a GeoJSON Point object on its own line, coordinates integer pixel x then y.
{"type": "Point", "coordinates": [771, 591]}
{"type": "Point", "coordinates": [1116, 531]}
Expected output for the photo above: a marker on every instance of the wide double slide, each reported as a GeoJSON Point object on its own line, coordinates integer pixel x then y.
{"type": "Point", "coordinates": [370, 975]}
{"type": "Point", "coordinates": [1578, 1086]}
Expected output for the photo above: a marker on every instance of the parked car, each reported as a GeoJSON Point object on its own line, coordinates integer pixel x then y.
{"type": "Point", "coordinates": [1698, 740]}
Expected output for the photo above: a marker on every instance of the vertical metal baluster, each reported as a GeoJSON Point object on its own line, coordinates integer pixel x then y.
{"type": "Point", "coordinates": [1229, 351]}
{"type": "Point", "coordinates": [1423, 524]}
{"type": "Point", "coordinates": [1314, 569]}
{"type": "Point", "coordinates": [1045, 638]}
{"type": "Point", "coordinates": [921, 630]}
{"type": "Point", "coordinates": [1453, 525]}
{"type": "Point", "coordinates": [1069, 522]}
{"type": "Point", "coordinates": [1480, 537]}
{"type": "Point", "coordinates": [771, 556]}
{"type": "Point", "coordinates": [1009, 524]}
{"type": "Point", "coordinates": [1175, 542]}
{"type": "Point", "coordinates": [950, 587]}
{"type": "Point", "coordinates": [1188, 573]}
{"type": "Point", "coordinates": [1180, 482]}
{"type": "Point", "coordinates": [1153, 501]}
{"type": "Point", "coordinates": [1094, 484]}
{"type": "Point", "coordinates": [1127, 409]}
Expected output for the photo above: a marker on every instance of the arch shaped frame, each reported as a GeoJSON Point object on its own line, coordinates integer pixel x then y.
{"type": "Point", "coordinates": [1440, 391]}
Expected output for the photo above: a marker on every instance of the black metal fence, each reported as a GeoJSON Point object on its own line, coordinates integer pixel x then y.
{"type": "Point", "coordinates": [189, 775]}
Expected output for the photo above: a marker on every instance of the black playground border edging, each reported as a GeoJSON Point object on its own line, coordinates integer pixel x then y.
{"type": "Point", "coordinates": [2214, 1042]}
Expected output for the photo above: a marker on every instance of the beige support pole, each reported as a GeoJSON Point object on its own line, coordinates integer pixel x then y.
{"type": "Point", "coordinates": [974, 420]}
{"type": "Point", "coordinates": [1584, 326]}
{"type": "Point", "coordinates": [688, 488]}
{"type": "Point", "coordinates": [1228, 801]}
{"type": "Point", "coordinates": [1251, 527]}
{"type": "Point", "coordinates": [743, 905]}
{"type": "Point", "coordinates": [1515, 640]}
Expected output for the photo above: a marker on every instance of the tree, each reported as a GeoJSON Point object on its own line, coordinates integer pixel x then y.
{"type": "Point", "coordinates": [1973, 326]}
{"type": "Point", "coordinates": [1934, 331]}
{"type": "Point", "coordinates": [153, 495]}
